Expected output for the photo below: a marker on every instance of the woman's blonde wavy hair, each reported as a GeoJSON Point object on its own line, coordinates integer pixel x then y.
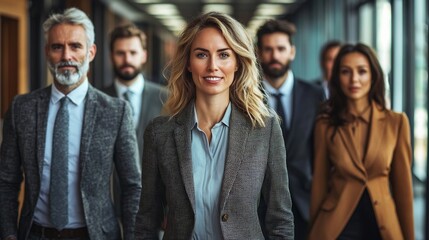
{"type": "Point", "coordinates": [245, 92]}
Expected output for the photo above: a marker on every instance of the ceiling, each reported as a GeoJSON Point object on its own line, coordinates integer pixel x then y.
{"type": "Point", "coordinates": [174, 14]}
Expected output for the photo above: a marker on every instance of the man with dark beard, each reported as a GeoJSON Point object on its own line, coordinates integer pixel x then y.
{"type": "Point", "coordinates": [64, 140]}
{"type": "Point", "coordinates": [128, 54]}
{"type": "Point", "coordinates": [296, 102]}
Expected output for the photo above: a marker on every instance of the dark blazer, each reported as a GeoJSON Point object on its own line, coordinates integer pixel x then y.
{"type": "Point", "coordinates": [255, 164]}
{"type": "Point", "coordinates": [108, 140]}
{"type": "Point", "coordinates": [340, 177]}
{"type": "Point", "coordinates": [153, 98]}
{"type": "Point", "coordinates": [307, 98]}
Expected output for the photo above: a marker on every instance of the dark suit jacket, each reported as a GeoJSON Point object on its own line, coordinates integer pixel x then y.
{"type": "Point", "coordinates": [108, 140]}
{"type": "Point", "coordinates": [340, 177]}
{"type": "Point", "coordinates": [153, 98]}
{"type": "Point", "coordinates": [307, 98]}
{"type": "Point", "coordinates": [255, 164]}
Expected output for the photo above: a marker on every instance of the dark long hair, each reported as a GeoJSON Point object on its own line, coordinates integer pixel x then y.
{"type": "Point", "coordinates": [336, 106]}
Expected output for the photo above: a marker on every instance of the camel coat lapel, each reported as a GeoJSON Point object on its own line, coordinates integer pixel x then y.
{"type": "Point", "coordinates": [346, 138]}
{"type": "Point", "coordinates": [375, 135]}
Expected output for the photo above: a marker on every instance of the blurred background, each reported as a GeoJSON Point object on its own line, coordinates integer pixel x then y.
{"type": "Point", "coordinates": [396, 29]}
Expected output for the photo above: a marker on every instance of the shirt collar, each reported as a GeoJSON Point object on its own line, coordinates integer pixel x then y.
{"type": "Point", "coordinates": [364, 116]}
{"type": "Point", "coordinates": [225, 120]}
{"type": "Point", "coordinates": [285, 89]}
{"type": "Point", "coordinates": [135, 88]}
{"type": "Point", "coordinates": [76, 96]}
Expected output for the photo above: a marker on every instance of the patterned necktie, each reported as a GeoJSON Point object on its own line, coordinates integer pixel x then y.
{"type": "Point", "coordinates": [281, 112]}
{"type": "Point", "coordinates": [58, 195]}
{"type": "Point", "coordinates": [127, 96]}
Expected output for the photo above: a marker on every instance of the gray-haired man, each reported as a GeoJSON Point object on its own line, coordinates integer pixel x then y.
{"type": "Point", "coordinates": [65, 140]}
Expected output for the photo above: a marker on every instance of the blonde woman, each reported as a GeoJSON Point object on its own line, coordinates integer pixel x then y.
{"type": "Point", "coordinates": [207, 165]}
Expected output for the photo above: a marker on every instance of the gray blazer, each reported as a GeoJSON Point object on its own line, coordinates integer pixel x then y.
{"type": "Point", "coordinates": [108, 140]}
{"type": "Point", "coordinates": [153, 98]}
{"type": "Point", "coordinates": [255, 165]}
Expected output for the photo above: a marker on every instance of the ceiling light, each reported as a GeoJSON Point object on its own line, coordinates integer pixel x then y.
{"type": "Point", "coordinates": [162, 9]}
{"type": "Point", "coordinates": [270, 9]}
{"type": "Point", "coordinates": [216, 1]}
{"type": "Point", "coordinates": [175, 25]}
{"type": "Point", "coordinates": [173, 22]}
{"type": "Point", "coordinates": [256, 23]}
{"type": "Point", "coordinates": [147, 1]}
{"type": "Point", "coordinates": [125, 11]}
{"type": "Point", "coordinates": [223, 8]}
{"type": "Point", "coordinates": [281, 1]}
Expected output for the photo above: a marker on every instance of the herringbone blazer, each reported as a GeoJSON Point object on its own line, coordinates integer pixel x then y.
{"type": "Point", "coordinates": [108, 140]}
{"type": "Point", "coordinates": [255, 164]}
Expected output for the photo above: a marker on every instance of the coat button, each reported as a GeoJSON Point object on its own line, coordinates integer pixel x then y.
{"type": "Point", "coordinates": [225, 217]}
{"type": "Point", "coordinates": [375, 202]}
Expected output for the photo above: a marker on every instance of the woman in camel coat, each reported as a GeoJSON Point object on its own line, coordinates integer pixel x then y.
{"type": "Point", "coordinates": [362, 186]}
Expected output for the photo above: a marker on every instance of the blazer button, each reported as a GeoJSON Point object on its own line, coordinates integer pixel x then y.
{"type": "Point", "coordinates": [225, 217]}
{"type": "Point", "coordinates": [375, 202]}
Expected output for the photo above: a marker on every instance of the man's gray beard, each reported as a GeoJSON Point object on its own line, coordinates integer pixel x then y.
{"type": "Point", "coordinates": [68, 77]}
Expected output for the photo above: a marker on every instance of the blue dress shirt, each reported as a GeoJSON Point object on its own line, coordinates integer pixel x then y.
{"type": "Point", "coordinates": [208, 161]}
{"type": "Point", "coordinates": [76, 110]}
{"type": "Point", "coordinates": [287, 96]}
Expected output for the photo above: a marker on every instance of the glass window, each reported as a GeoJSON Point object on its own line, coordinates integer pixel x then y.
{"type": "Point", "coordinates": [420, 115]}
{"type": "Point", "coordinates": [366, 24]}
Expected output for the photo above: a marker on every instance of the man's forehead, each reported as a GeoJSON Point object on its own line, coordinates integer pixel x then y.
{"type": "Point", "coordinates": [277, 37]}
{"type": "Point", "coordinates": [67, 33]}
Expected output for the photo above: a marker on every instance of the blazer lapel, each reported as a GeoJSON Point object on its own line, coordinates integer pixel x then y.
{"type": "Point", "coordinates": [42, 121]}
{"type": "Point", "coordinates": [238, 134]}
{"type": "Point", "coordinates": [147, 100]}
{"type": "Point", "coordinates": [376, 132]}
{"type": "Point", "coordinates": [347, 139]}
{"type": "Point", "coordinates": [89, 118]}
{"type": "Point", "coordinates": [182, 137]}
{"type": "Point", "coordinates": [296, 92]}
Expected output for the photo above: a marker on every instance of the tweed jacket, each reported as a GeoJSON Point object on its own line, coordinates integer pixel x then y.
{"type": "Point", "coordinates": [340, 177]}
{"type": "Point", "coordinates": [108, 140]}
{"type": "Point", "coordinates": [255, 164]}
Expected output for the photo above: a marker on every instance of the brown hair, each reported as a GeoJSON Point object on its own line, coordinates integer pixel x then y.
{"type": "Point", "coordinates": [275, 26]}
{"type": "Point", "coordinates": [326, 47]}
{"type": "Point", "coordinates": [127, 31]}
{"type": "Point", "coordinates": [336, 106]}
